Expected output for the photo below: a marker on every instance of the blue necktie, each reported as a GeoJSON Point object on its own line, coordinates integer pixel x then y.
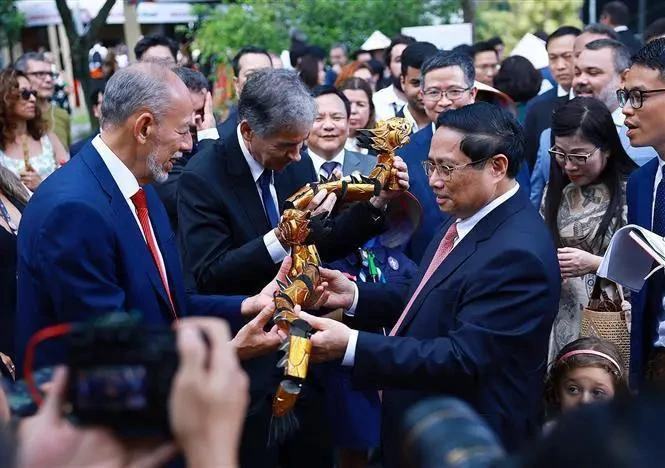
{"type": "Point", "coordinates": [268, 202]}
{"type": "Point", "coordinates": [659, 207]}
{"type": "Point", "coordinates": [329, 167]}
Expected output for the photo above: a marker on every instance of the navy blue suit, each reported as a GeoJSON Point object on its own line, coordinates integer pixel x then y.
{"type": "Point", "coordinates": [81, 253]}
{"type": "Point", "coordinates": [227, 129]}
{"type": "Point", "coordinates": [645, 304]}
{"type": "Point", "coordinates": [478, 330]}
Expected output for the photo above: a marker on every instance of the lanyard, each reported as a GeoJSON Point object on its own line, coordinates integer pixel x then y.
{"type": "Point", "coordinates": [5, 215]}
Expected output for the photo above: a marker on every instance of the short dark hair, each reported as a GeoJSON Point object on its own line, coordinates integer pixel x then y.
{"type": "Point", "coordinates": [599, 28]}
{"type": "Point", "coordinates": [563, 31]}
{"type": "Point", "coordinates": [152, 40]}
{"type": "Point", "coordinates": [398, 39]}
{"type": "Point", "coordinates": [483, 46]}
{"type": "Point", "coordinates": [518, 78]}
{"type": "Point", "coordinates": [415, 54]}
{"type": "Point", "coordinates": [193, 79]}
{"type": "Point", "coordinates": [445, 59]}
{"type": "Point", "coordinates": [495, 41]}
{"type": "Point", "coordinates": [655, 29]}
{"type": "Point", "coordinates": [652, 55]}
{"type": "Point", "coordinates": [235, 62]}
{"type": "Point", "coordinates": [465, 49]}
{"type": "Point", "coordinates": [619, 49]}
{"type": "Point", "coordinates": [322, 90]}
{"type": "Point", "coordinates": [488, 130]}
{"type": "Point", "coordinates": [617, 11]}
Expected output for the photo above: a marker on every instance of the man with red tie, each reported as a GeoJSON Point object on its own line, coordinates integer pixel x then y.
{"type": "Point", "coordinates": [475, 322]}
{"type": "Point", "coordinates": [96, 239]}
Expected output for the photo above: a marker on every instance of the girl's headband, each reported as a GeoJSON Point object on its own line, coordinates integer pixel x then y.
{"type": "Point", "coordinates": [590, 351]}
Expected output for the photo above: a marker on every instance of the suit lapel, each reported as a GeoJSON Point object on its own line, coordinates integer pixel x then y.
{"type": "Point", "coordinates": [462, 251]}
{"type": "Point", "coordinates": [244, 187]}
{"type": "Point", "coordinates": [351, 163]}
{"type": "Point", "coordinates": [126, 223]}
{"type": "Point", "coordinates": [645, 196]}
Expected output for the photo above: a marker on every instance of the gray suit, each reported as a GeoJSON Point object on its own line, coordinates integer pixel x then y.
{"type": "Point", "coordinates": [354, 161]}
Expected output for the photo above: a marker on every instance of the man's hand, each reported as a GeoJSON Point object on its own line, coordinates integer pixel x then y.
{"type": "Point", "coordinates": [330, 341]}
{"type": "Point", "coordinates": [207, 120]}
{"type": "Point", "coordinates": [47, 439]}
{"type": "Point", "coordinates": [575, 262]}
{"type": "Point", "coordinates": [209, 394]}
{"type": "Point", "coordinates": [253, 341]}
{"type": "Point", "coordinates": [401, 171]}
{"type": "Point", "coordinates": [322, 202]}
{"type": "Point", "coordinates": [338, 290]}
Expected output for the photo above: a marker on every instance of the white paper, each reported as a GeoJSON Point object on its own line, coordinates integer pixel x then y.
{"type": "Point", "coordinates": [625, 262]}
{"type": "Point", "coordinates": [533, 49]}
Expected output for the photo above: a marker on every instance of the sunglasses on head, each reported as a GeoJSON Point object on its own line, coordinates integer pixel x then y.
{"type": "Point", "coordinates": [26, 93]}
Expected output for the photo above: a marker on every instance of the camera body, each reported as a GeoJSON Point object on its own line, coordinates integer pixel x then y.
{"type": "Point", "coordinates": [120, 375]}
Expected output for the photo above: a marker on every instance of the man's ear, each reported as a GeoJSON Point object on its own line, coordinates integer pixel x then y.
{"type": "Point", "coordinates": [144, 127]}
{"type": "Point", "coordinates": [499, 165]}
{"type": "Point", "coordinates": [246, 131]}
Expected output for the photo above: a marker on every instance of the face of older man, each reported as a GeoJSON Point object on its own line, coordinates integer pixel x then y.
{"type": "Point", "coordinates": [330, 127]}
{"type": "Point", "coordinates": [463, 188]}
{"type": "Point", "coordinates": [41, 78]}
{"type": "Point", "coordinates": [277, 150]}
{"type": "Point", "coordinates": [596, 76]}
{"type": "Point", "coordinates": [445, 89]}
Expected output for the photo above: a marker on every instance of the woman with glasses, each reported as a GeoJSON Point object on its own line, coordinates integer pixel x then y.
{"type": "Point", "coordinates": [584, 203]}
{"type": "Point", "coordinates": [26, 147]}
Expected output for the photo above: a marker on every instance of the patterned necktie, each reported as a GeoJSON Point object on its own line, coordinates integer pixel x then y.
{"type": "Point", "coordinates": [268, 202]}
{"type": "Point", "coordinates": [328, 167]}
{"type": "Point", "coordinates": [659, 207]}
{"type": "Point", "coordinates": [440, 255]}
{"type": "Point", "coordinates": [141, 204]}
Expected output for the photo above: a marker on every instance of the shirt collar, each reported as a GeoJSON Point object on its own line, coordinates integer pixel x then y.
{"type": "Point", "coordinates": [409, 117]}
{"type": "Point", "coordinates": [618, 117]}
{"type": "Point", "coordinates": [318, 160]}
{"type": "Point", "coordinates": [121, 174]}
{"type": "Point", "coordinates": [464, 226]}
{"type": "Point", "coordinates": [560, 92]}
{"type": "Point", "coordinates": [621, 28]}
{"type": "Point", "coordinates": [254, 166]}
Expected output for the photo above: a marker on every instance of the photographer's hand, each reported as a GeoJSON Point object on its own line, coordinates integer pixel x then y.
{"type": "Point", "coordinates": [253, 341]}
{"type": "Point", "coordinates": [209, 395]}
{"type": "Point", "coordinates": [47, 439]}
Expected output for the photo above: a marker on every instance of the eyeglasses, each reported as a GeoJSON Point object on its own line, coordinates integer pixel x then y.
{"type": "Point", "coordinates": [634, 96]}
{"type": "Point", "coordinates": [445, 171]}
{"type": "Point", "coordinates": [452, 94]}
{"type": "Point", "coordinates": [574, 158]}
{"type": "Point", "coordinates": [26, 93]}
{"type": "Point", "coordinates": [43, 74]}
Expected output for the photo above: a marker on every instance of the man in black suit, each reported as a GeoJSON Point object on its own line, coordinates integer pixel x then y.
{"type": "Point", "coordinates": [539, 112]}
{"type": "Point", "coordinates": [229, 201]}
{"type": "Point", "coordinates": [247, 61]}
{"type": "Point", "coordinates": [616, 15]}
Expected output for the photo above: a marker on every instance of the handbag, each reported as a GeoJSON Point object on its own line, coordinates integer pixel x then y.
{"type": "Point", "coordinates": [607, 316]}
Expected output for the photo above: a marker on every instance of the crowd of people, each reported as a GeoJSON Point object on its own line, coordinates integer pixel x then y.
{"type": "Point", "coordinates": [477, 291]}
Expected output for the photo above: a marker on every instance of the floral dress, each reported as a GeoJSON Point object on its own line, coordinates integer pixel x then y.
{"type": "Point", "coordinates": [43, 163]}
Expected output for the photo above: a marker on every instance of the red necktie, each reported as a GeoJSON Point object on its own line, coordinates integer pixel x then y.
{"type": "Point", "coordinates": [141, 205]}
{"type": "Point", "coordinates": [440, 255]}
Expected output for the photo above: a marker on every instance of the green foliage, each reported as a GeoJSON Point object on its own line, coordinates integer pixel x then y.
{"type": "Point", "coordinates": [266, 23]}
{"type": "Point", "coordinates": [11, 22]}
{"type": "Point", "coordinates": [511, 19]}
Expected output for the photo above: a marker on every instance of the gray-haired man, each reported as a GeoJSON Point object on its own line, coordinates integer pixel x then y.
{"type": "Point", "coordinates": [229, 201]}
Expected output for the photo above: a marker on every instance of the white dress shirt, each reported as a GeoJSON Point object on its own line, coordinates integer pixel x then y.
{"type": "Point", "coordinates": [318, 161]}
{"type": "Point", "coordinates": [128, 186]}
{"type": "Point", "coordinates": [387, 103]}
{"type": "Point", "coordinates": [464, 227]}
{"type": "Point", "coordinates": [275, 249]}
{"type": "Point", "coordinates": [352, 145]}
{"type": "Point", "coordinates": [411, 119]}
{"type": "Point", "coordinates": [560, 92]}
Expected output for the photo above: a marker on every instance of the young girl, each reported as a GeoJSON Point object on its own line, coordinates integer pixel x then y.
{"type": "Point", "coordinates": [585, 371]}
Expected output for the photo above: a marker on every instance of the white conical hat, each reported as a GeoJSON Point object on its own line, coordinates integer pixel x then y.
{"type": "Point", "coordinates": [376, 41]}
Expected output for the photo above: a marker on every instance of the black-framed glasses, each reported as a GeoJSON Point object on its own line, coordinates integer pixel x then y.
{"type": "Point", "coordinates": [43, 74]}
{"type": "Point", "coordinates": [634, 96]}
{"type": "Point", "coordinates": [446, 171]}
{"type": "Point", "coordinates": [579, 159]}
{"type": "Point", "coordinates": [26, 93]}
{"type": "Point", "coordinates": [451, 94]}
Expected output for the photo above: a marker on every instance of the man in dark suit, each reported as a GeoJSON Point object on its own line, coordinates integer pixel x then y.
{"type": "Point", "coordinates": [642, 99]}
{"type": "Point", "coordinates": [93, 241]}
{"type": "Point", "coordinates": [616, 15]}
{"type": "Point", "coordinates": [412, 60]}
{"type": "Point", "coordinates": [246, 61]}
{"type": "Point", "coordinates": [229, 204]}
{"type": "Point", "coordinates": [487, 290]}
{"type": "Point", "coordinates": [539, 111]}
{"type": "Point", "coordinates": [447, 83]}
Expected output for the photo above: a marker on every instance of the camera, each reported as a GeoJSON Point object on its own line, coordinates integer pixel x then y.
{"type": "Point", "coordinates": [120, 375]}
